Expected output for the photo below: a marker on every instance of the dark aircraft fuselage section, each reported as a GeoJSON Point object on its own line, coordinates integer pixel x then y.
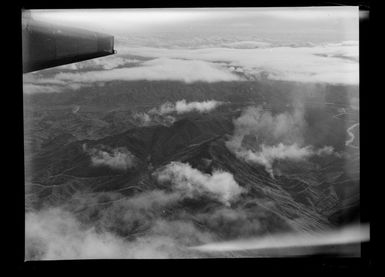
{"type": "Point", "coordinates": [46, 45]}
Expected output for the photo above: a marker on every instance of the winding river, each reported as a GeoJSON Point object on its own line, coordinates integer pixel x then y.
{"type": "Point", "coordinates": [351, 139]}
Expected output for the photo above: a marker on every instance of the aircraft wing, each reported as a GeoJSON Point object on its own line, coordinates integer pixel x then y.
{"type": "Point", "coordinates": [46, 45]}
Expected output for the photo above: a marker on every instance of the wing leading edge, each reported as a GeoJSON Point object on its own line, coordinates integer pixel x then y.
{"type": "Point", "coordinates": [46, 45]}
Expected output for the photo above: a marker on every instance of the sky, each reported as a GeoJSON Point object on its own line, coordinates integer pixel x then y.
{"type": "Point", "coordinates": [326, 23]}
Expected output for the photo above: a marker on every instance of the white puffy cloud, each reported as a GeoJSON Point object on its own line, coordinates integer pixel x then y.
{"type": "Point", "coordinates": [191, 181]}
{"type": "Point", "coordinates": [144, 119]}
{"type": "Point", "coordinates": [263, 125]}
{"type": "Point", "coordinates": [117, 158]}
{"type": "Point", "coordinates": [182, 106]}
{"type": "Point", "coordinates": [204, 106]}
{"type": "Point", "coordinates": [268, 154]}
{"type": "Point", "coordinates": [161, 115]}
{"type": "Point", "coordinates": [260, 137]}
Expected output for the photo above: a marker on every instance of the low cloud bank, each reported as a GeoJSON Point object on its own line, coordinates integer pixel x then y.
{"type": "Point", "coordinates": [117, 158]}
{"type": "Point", "coordinates": [156, 69]}
{"type": "Point", "coordinates": [108, 225]}
{"type": "Point", "coordinates": [191, 181]}
{"type": "Point", "coordinates": [33, 84]}
{"type": "Point", "coordinates": [34, 88]}
{"type": "Point", "coordinates": [104, 63]}
{"type": "Point", "coordinates": [262, 138]}
{"type": "Point", "coordinates": [248, 44]}
{"type": "Point", "coordinates": [335, 63]}
{"type": "Point", "coordinates": [56, 234]}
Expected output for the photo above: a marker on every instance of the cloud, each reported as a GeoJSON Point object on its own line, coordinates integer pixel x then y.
{"type": "Point", "coordinates": [144, 119]}
{"type": "Point", "coordinates": [319, 63]}
{"type": "Point", "coordinates": [33, 83]}
{"type": "Point", "coordinates": [192, 182]}
{"type": "Point", "coordinates": [205, 106]}
{"type": "Point", "coordinates": [157, 69]}
{"type": "Point", "coordinates": [153, 117]}
{"type": "Point", "coordinates": [246, 44]}
{"type": "Point", "coordinates": [29, 88]}
{"type": "Point", "coordinates": [124, 215]}
{"type": "Point", "coordinates": [261, 138]}
{"type": "Point", "coordinates": [162, 69]}
{"type": "Point", "coordinates": [161, 115]}
{"type": "Point", "coordinates": [147, 224]}
{"type": "Point", "coordinates": [182, 106]}
{"type": "Point", "coordinates": [111, 226]}
{"type": "Point", "coordinates": [117, 158]}
{"type": "Point", "coordinates": [236, 222]}
{"type": "Point", "coordinates": [55, 234]}
{"type": "Point", "coordinates": [335, 63]}
{"type": "Point", "coordinates": [263, 125]}
{"type": "Point", "coordinates": [152, 200]}
{"type": "Point", "coordinates": [104, 63]}
{"type": "Point", "coordinates": [268, 154]}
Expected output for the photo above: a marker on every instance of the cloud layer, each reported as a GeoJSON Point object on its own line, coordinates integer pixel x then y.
{"type": "Point", "coordinates": [335, 63]}
{"type": "Point", "coordinates": [325, 63]}
{"type": "Point", "coordinates": [104, 63]}
{"type": "Point", "coordinates": [156, 69]}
